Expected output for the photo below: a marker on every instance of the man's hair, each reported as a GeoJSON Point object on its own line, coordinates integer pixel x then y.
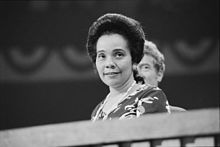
{"type": "Point", "coordinates": [151, 49]}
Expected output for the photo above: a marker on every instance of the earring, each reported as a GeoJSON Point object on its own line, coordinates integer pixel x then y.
{"type": "Point", "coordinates": [134, 67]}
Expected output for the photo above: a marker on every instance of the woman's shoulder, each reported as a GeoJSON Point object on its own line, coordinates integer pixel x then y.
{"type": "Point", "coordinates": [147, 89]}
{"type": "Point", "coordinates": [154, 99]}
{"type": "Point", "coordinates": [94, 112]}
{"type": "Point", "coordinates": [151, 91]}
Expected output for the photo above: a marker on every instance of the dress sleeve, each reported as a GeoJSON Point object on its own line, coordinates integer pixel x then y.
{"type": "Point", "coordinates": [153, 101]}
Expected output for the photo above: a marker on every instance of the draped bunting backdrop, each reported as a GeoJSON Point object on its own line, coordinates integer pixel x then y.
{"type": "Point", "coordinates": [45, 73]}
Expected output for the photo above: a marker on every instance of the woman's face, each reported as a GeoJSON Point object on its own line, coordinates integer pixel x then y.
{"type": "Point", "coordinates": [147, 70]}
{"type": "Point", "coordinates": [113, 60]}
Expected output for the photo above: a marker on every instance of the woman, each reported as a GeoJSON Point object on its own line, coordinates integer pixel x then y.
{"type": "Point", "coordinates": [115, 44]}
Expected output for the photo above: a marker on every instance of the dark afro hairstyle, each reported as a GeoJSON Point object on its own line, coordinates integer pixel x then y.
{"type": "Point", "coordinates": [120, 24]}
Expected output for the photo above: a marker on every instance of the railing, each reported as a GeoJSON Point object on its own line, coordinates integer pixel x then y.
{"type": "Point", "coordinates": [191, 128]}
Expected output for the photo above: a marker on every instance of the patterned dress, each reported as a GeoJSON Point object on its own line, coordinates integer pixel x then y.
{"type": "Point", "coordinates": [146, 99]}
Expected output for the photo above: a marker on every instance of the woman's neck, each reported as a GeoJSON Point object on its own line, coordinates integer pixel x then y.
{"type": "Point", "coordinates": [122, 88]}
{"type": "Point", "coordinates": [117, 94]}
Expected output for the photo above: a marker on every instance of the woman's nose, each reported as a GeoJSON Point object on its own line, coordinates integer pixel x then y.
{"type": "Point", "coordinates": [110, 66]}
{"type": "Point", "coordinates": [110, 63]}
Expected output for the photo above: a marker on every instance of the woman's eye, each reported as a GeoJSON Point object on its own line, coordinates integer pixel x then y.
{"type": "Point", "coordinates": [101, 56]}
{"type": "Point", "coordinates": [119, 54]}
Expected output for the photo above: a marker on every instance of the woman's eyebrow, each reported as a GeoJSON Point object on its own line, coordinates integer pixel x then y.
{"type": "Point", "coordinates": [119, 49]}
{"type": "Point", "coordinates": [100, 51]}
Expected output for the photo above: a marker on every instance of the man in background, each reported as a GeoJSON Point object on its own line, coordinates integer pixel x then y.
{"type": "Point", "coordinates": [152, 68]}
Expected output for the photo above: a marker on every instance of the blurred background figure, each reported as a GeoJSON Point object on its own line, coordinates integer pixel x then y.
{"type": "Point", "coordinates": [152, 67]}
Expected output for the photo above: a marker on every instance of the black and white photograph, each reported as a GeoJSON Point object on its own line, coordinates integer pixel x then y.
{"type": "Point", "coordinates": [109, 73]}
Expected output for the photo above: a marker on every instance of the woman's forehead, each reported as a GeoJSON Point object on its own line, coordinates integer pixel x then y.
{"type": "Point", "coordinates": [111, 41]}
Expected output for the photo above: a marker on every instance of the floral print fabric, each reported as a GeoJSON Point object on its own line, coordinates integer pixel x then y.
{"type": "Point", "coordinates": [146, 99]}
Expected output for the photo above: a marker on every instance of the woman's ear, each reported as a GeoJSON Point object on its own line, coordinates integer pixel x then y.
{"type": "Point", "coordinates": [134, 67]}
{"type": "Point", "coordinates": [139, 79]}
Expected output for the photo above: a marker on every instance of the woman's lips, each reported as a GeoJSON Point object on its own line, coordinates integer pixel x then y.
{"type": "Point", "coordinates": [111, 73]}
